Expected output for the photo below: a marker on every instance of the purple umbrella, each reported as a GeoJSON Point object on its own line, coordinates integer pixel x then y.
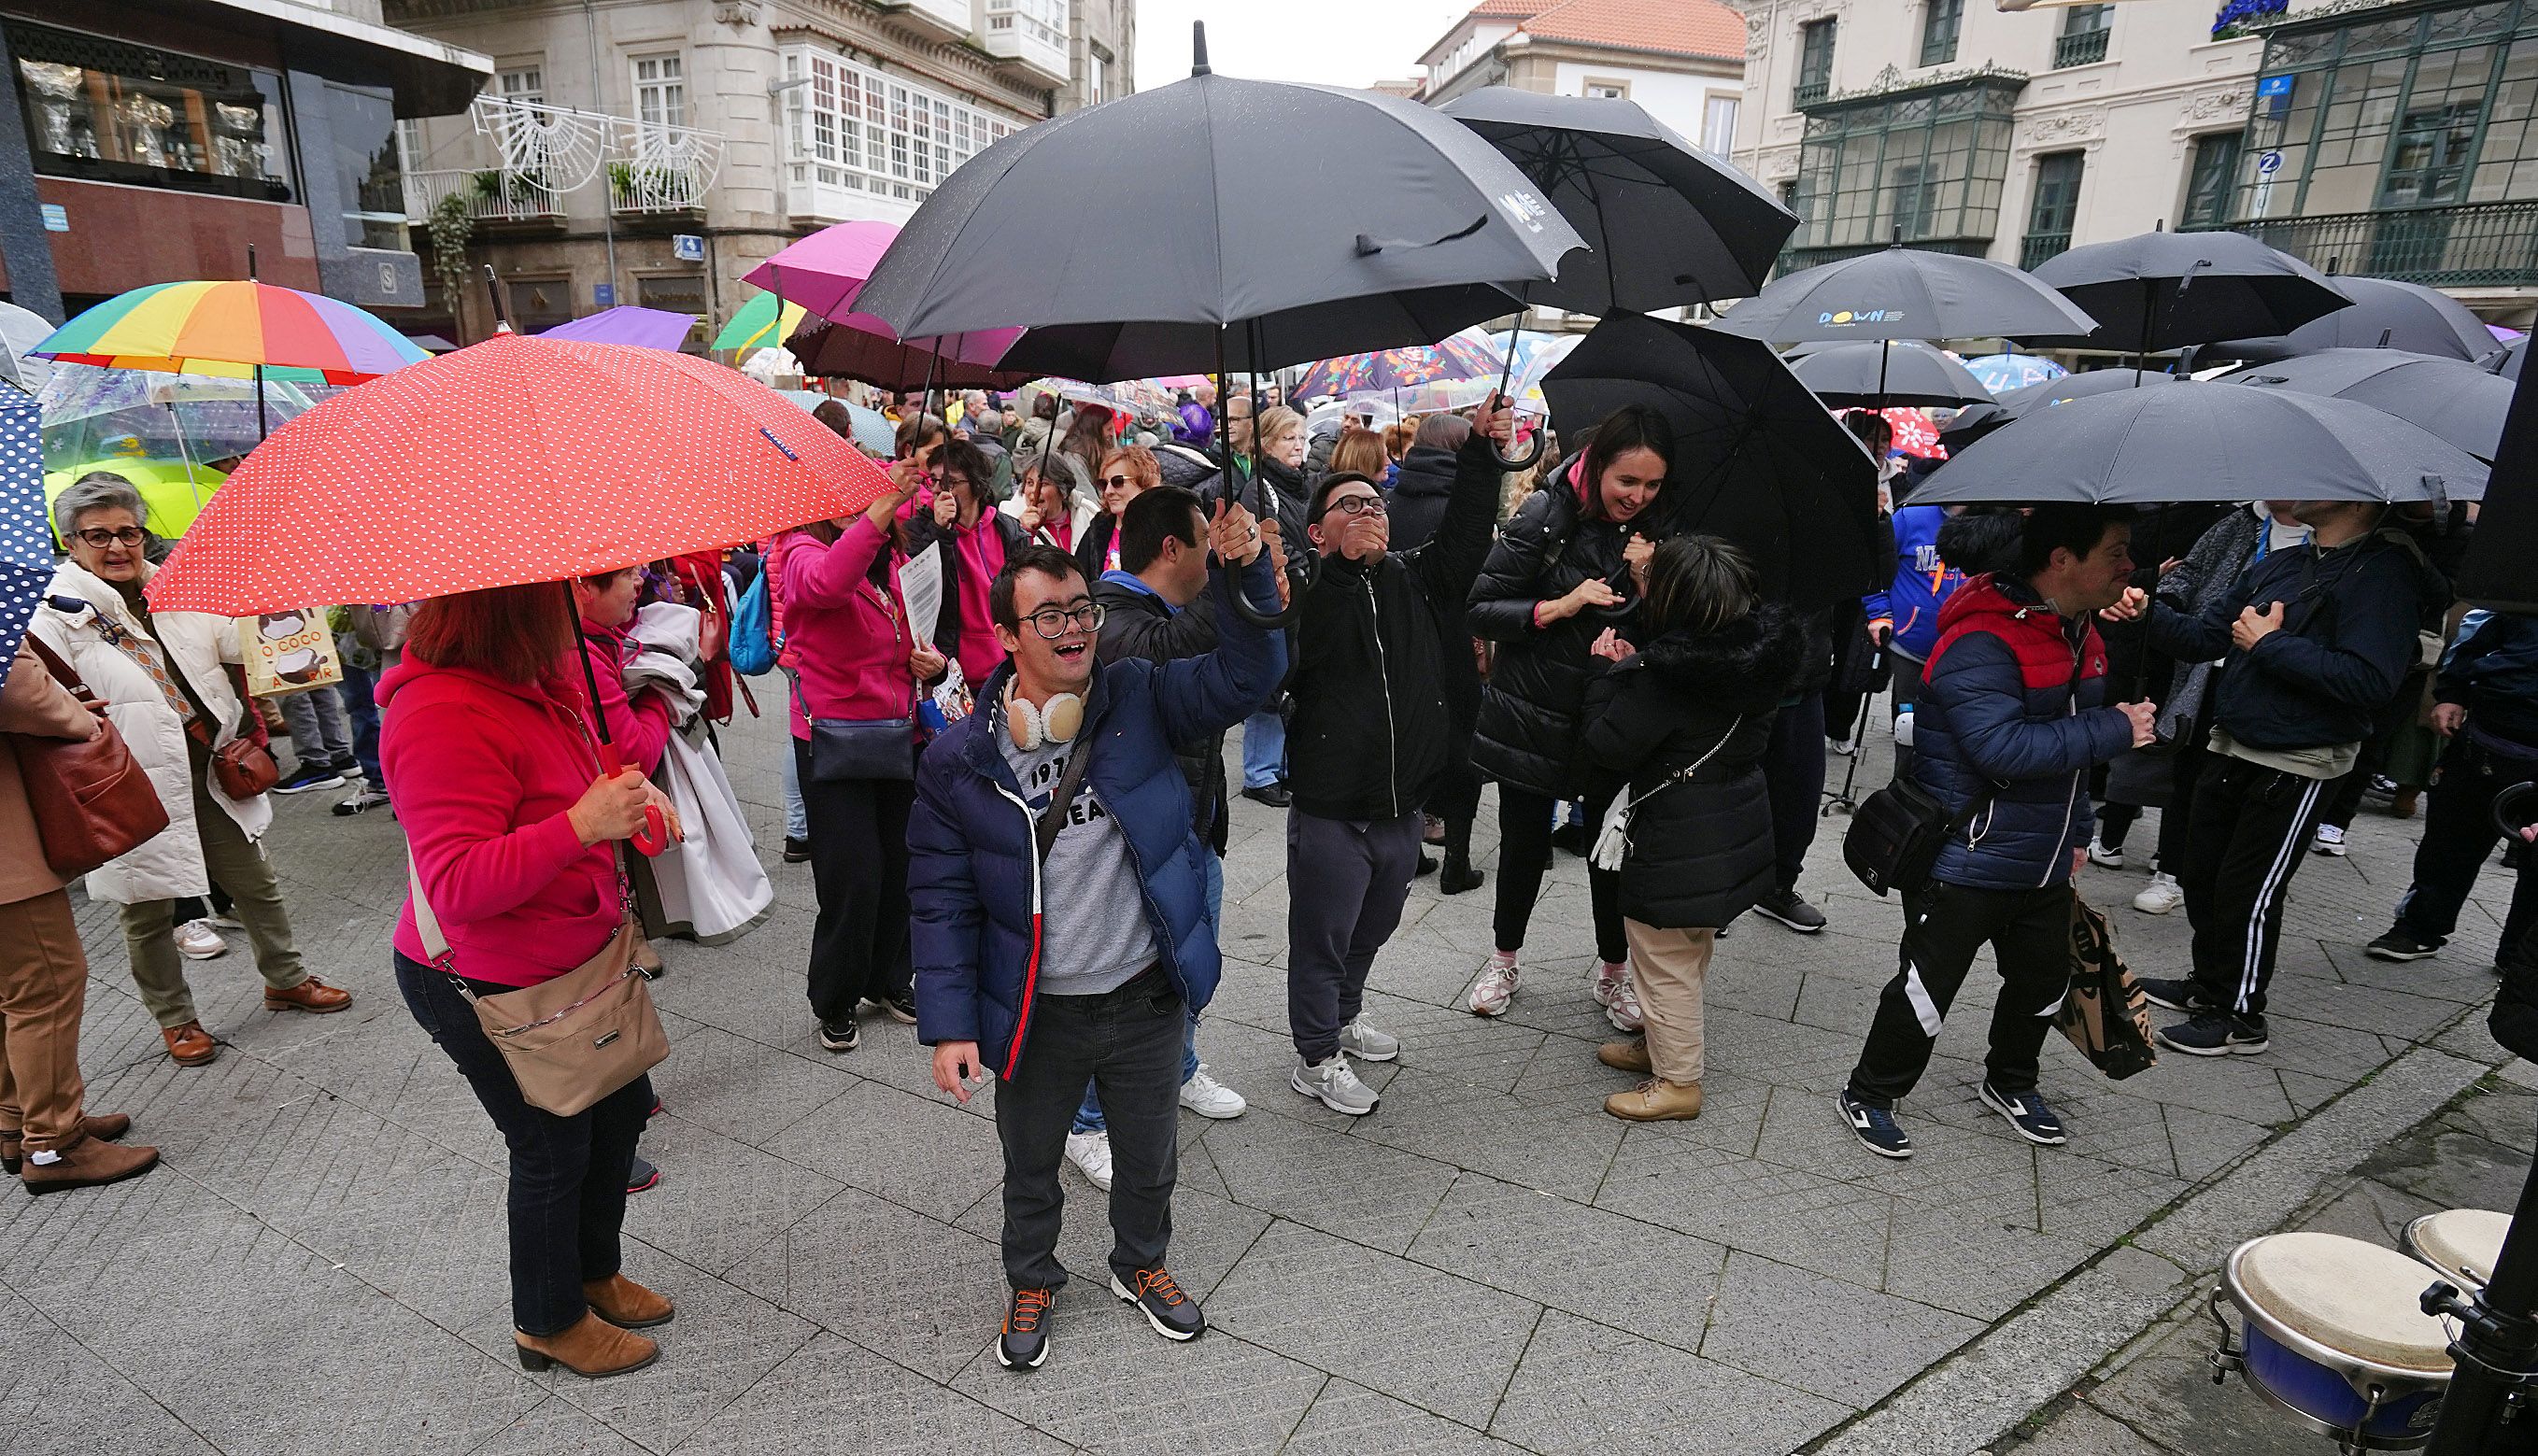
{"type": "Point", "coordinates": [645, 328]}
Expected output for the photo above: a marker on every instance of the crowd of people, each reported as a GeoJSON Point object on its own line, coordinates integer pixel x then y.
{"type": "Point", "coordinates": [1024, 684]}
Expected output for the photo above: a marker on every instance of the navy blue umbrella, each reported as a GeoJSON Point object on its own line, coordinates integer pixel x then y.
{"type": "Point", "coordinates": [26, 547]}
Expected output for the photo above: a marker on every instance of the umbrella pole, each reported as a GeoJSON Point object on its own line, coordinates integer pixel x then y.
{"type": "Point", "coordinates": [185, 452]}
{"type": "Point", "coordinates": [2141, 356]}
{"type": "Point", "coordinates": [589, 680]}
{"type": "Point", "coordinates": [1885, 350]}
{"type": "Point", "coordinates": [263, 430]}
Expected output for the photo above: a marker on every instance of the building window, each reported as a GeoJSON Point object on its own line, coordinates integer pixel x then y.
{"type": "Point", "coordinates": [1815, 62]}
{"type": "Point", "coordinates": [857, 129]}
{"type": "Point", "coordinates": [1931, 160]}
{"type": "Point", "coordinates": [2054, 209]}
{"type": "Point", "coordinates": [676, 293]}
{"type": "Point", "coordinates": [1611, 90]}
{"type": "Point", "coordinates": [1940, 23]}
{"type": "Point", "coordinates": [2083, 41]}
{"type": "Point", "coordinates": [104, 112]}
{"type": "Point", "coordinates": [540, 304]}
{"type": "Point", "coordinates": [368, 175]}
{"type": "Point", "coordinates": [1095, 78]}
{"type": "Point", "coordinates": [1718, 126]}
{"type": "Point", "coordinates": [661, 91]}
{"type": "Point", "coordinates": [526, 84]}
{"type": "Point", "coordinates": [2211, 180]}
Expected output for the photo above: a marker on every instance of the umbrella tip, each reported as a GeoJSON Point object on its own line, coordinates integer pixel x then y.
{"type": "Point", "coordinates": [1198, 49]}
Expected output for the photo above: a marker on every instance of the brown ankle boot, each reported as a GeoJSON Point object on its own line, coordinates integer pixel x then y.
{"type": "Point", "coordinates": [627, 1305]}
{"type": "Point", "coordinates": [89, 1163]}
{"type": "Point", "coordinates": [12, 1143]}
{"type": "Point", "coordinates": [1625, 1056]}
{"type": "Point", "coordinates": [1657, 1100]}
{"type": "Point", "coordinates": [593, 1349]}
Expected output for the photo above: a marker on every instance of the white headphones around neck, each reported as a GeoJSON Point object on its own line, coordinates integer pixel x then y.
{"type": "Point", "coordinates": [1056, 721]}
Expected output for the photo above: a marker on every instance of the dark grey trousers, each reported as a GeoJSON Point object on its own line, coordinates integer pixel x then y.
{"type": "Point", "coordinates": [1128, 1043]}
{"type": "Point", "coordinates": [1345, 881]}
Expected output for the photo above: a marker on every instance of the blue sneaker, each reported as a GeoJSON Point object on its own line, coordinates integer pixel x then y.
{"type": "Point", "coordinates": [1875, 1126]}
{"type": "Point", "coordinates": [2027, 1112]}
{"type": "Point", "coordinates": [2216, 1033]}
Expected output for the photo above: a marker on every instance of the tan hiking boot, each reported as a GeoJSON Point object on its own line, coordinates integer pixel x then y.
{"type": "Point", "coordinates": [1657, 1100]}
{"type": "Point", "coordinates": [1625, 1056]}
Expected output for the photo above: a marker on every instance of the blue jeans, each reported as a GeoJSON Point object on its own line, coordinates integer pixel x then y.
{"type": "Point", "coordinates": [1264, 749]}
{"type": "Point", "coordinates": [363, 711]}
{"type": "Point", "coordinates": [1088, 1117]}
{"type": "Point", "coordinates": [797, 819]}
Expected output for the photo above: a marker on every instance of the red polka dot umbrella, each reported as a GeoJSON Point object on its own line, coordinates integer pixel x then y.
{"type": "Point", "coordinates": [512, 461]}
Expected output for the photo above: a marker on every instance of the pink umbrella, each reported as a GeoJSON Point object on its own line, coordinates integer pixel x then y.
{"type": "Point", "coordinates": [826, 270]}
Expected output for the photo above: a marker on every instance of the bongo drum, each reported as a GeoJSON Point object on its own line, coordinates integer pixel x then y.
{"type": "Point", "coordinates": [2462, 1243]}
{"type": "Point", "coordinates": [2335, 1336]}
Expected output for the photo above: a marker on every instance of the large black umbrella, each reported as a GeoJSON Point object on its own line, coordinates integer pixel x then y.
{"type": "Point", "coordinates": [1669, 223]}
{"type": "Point", "coordinates": [1145, 349]}
{"type": "Point", "coordinates": [2385, 313]}
{"type": "Point", "coordinates": [1875, 376]}
{"type": "Point", "coordinates": [2508, 363]}
{"type": "Point", "coordinates": [833, 350]}
{"type": "Point", "coordinates": [1978, 419]}
{"type": "Point", "coordinates": [1757, 461]}
{"type": "Point", "coordinates": [2163, 291]}
{"type": "Point", "coordinates": [2200, 442]}
{"type": "Point", "coordinates": [2453, 399]}
{"type": "Point", "coordinates": [1900, 293]}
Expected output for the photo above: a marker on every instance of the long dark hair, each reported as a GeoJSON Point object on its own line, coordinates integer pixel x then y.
{"type": "Point", "coordinates": [1630, 427]}
{"type": "Point", "coordinates": [1696, 584]}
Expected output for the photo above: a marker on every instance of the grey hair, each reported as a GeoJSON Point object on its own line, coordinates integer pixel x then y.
{"type": "Point", "coordinates": [1443, 433]}
{"type": "Point", "coordinates": [1066, 469]}
{"type": "Point", "coordinates": [98, 489]}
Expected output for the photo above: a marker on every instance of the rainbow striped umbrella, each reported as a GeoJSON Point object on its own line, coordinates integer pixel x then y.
{"type": "Point", "coordinates": [231, 330]}
{"type": "Point", "coordinates": [763, 319]}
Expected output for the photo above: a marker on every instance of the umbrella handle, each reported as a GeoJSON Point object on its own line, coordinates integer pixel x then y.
{"type": "Point", "coordinates": [2507, 808]}
{"type": "Point", "coordinates": [655, 836]}
{"type": "Point", "coordinates": [1523, 460]}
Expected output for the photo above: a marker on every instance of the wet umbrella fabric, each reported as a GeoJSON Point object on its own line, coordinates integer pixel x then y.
{"type": "Point", "coordinates": [1669, 224]}
{"type": "Point", "coordinates": [2160, 290]}
{"type": "Point", "coordinates": [626, 324]}
{"type": "Point", "coordinates": [2385, 313]}
{"type": "Point", "coordinates": [1882, 374]}
{"type": "Point", "coordinates": [1900, 293]}
{"type": "Point", "coordinates": [861, 346]}
{"type": "Point", "coordinates": [2159, 444]}
{"type": "Point", "coordinates": [2508, 363]}
{"type": "Point", "coordinates": [2453, 399]}
{"type": "Point", "coordinates": [1764, 466]}
{"type": "Point", "coordinates": [26, 542]}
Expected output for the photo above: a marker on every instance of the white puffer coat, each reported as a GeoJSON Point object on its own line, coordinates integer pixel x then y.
{"type": "Point", "coordinates": [193, 643]}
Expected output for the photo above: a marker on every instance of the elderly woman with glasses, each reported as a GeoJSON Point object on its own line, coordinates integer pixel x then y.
{"type": "Point", "coordinates": [1126, 473]}
{"type": "Point", "coordinates": [171, 689]}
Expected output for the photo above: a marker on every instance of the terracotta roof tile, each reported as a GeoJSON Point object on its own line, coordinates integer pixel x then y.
{"type": "Point", "coordinates": [1700, 27]}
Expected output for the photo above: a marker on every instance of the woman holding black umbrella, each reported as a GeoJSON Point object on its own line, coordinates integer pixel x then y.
{"type": "Point", "coordinates": [1577, 546]}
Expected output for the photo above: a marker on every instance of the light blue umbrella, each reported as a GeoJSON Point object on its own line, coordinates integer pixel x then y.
{"type": "Point", "coordinates": [25, 546]}
{"type": "Point", "coordinates": [2001, 373]}
{"type": "Point", "coordinates": [871, 431]}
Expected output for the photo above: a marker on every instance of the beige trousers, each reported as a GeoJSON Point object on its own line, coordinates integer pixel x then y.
{"type": "Point", "coordinates": [1670, 968]}
{"type": "Point", "coordinates": [43, 984]}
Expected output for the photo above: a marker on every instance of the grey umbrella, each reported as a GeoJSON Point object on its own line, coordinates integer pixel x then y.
{"type": "Point", "coordinates": [1900, 293]}
{"type": "Point", "coordinates": [2385, 313]}
{"type": "Point", "coordinates": [2160, 290]}
{"type": "Point", "coordinates": [1875, 376]}
{"type": "Point", "coordinates": [2011, 405]}
{"type": "Point", "coordinates": [2453, 399]}
{"type": "Point", "coordinates": [2508, 363]}
{"type": "Point", "coordinates": [2202, 442]}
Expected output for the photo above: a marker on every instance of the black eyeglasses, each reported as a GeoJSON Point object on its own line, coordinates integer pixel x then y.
{"type": "Point", "coordinates": [1359, 506]}
{"type": "Point", "coordinates": [1051, 623]}
{"type": "Point", "coordinates": [102, 538]}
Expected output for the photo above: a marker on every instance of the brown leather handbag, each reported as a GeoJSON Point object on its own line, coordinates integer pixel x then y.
{"type": "Point", "coordinates": [244, 768]}
{"type": "Point", "coordinates": [92, 802]}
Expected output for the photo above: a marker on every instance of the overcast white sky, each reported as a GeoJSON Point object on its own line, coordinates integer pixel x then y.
{"type": "Point", "coordinates": [1340, 43]}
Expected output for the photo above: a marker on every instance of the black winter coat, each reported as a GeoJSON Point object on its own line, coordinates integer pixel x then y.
{"type": "Point", "coordinates": [1526, 735]}
{"type": "Point", "coordinates": [1370, 733]}
{"type": "Point", "coordinates": [1418, 503]}
{"type": "Point", "coordinates": [1700, 850]}
{"type": "Point", "coordinates": [1142, 625]}
{"type": "Point", "coordinates": [918, 532]}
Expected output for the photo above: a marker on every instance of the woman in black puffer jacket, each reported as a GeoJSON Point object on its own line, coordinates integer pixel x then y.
{"type": "Point", "coordinates": [1572, 547]}
{"type": "Point", "coordinates": [1702, 692]}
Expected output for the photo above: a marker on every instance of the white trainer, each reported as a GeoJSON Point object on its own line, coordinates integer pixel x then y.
{"type": "Point", "coordinates": [2105, 855]}
{"type": "Point", "coordinates": [2162, 894]}
{"type": "Point", "coordinates": [2330, 841]}
{"type": "Point", "coordinates": [198, 941]}
{"type": "Point", "coordinates": [1091, 1153]}
{"type": "Point", "coordinates": [1622, 1009]}
{"type": "Point", "coordinates": [1209, 1098]}
{"type": "Point", "coordinates": [1490, 994]}
{"type": "Point", "coordinates": [1332, 1081]}
{"type": "Point", "coordinates": [1610, 976]}
{"type": "Point", "coordinates": [1368, 1044]}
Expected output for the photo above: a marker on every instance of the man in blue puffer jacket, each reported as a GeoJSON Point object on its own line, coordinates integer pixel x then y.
{"type": "Point", "coordinates": [1059, 945]}
{"type": "Point", "coordinates": [2011, 719]}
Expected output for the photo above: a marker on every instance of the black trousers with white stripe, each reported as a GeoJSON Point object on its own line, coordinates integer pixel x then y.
{"type": "Point", "coordinates": [2251, 830]}
{"type": "Point", "coordinates": [1944, 927]}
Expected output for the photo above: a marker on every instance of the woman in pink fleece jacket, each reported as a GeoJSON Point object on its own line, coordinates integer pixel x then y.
{"type": "Point", "coordinates": [512, 833]}
{"type": "Point", "coordinates": [856, 660]}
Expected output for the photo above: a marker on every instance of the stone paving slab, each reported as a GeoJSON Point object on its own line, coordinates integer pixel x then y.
{"type": "Point", "coordinates": [1485, 1265]}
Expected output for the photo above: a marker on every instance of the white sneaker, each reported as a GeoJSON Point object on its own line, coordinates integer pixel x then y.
{"type": "Point", "coordinates": [2330, 841]}
{"type": "Point", "coordinates": [1209, 1098]}
{"type": "Point", "coordinates": [1331, 1080]}
{"type": "Point", "coordinates": [1091, 1152]}
{"type": "Point", "coordinates": [1495, 989]}
{"type": "Point", "coordinates": [1368, 1044]}
{"type": "Point", "coordinates": [2162, 894]}
{"type": "Point", "coordinates": [2100, 854]}
{"type": "Point", "coordinates": [198, 941]}
{"type": "Point", "coordinates": [1623, 1010]}
{"type": "Point", "coordinates": [1610, 976]}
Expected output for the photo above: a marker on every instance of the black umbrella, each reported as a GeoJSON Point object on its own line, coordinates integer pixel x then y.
{"type": "Point", "coordinates": [1900, 293]}
{"type": "Point", "coordinates": [1669, 223]}
{"type": "Point", "coordinates": [1099, 353]}
{"type": "Point", "coordinates": [1757, 461]}
{"type": "Point", "coordinates": [2453, 399]}
{"type": "Point", "coordinates": [2201, 442]}
{"type": "Point", "coordinates": [1978, 419]}
{"type": "Point", "coordinates": [830, 350]}
{"type": "Point", "coordinates": [2163, 291]}
{"type": "Point", "coordinates": [1879, 374]}
{"type": "Point", "coordinates": [2385, 313]}
{"type": "Point", "coordinates": [2508, 363]}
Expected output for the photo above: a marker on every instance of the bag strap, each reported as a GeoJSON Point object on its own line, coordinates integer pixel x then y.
{"type": "Point", "coordinates": [427, 928]}
{"type": "Point", "coordinates": [1053, 820]}
{"type": "Point", "coordinates": [62, 670]}
{"type": "Point", "coordinates": [1685, 775]}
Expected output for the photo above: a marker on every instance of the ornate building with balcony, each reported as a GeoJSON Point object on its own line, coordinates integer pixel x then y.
{"type": "Point", "coordinates": [654, 150]}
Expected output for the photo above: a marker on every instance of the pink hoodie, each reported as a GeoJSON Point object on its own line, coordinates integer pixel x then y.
{"type": "Point", "coordinates": [486, 770]}
{"type": "Point", "coordinates": [849, 636]}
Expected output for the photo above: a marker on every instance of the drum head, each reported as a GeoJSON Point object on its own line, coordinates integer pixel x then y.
{"type": "Point", "coordinates": [2462, 1243]}
{"type": "Point", "coordinates": [2351, 1296]}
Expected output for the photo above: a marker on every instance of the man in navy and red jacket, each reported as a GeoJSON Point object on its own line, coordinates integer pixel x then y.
{"type": "Point", "coordinates": [2011, 719]}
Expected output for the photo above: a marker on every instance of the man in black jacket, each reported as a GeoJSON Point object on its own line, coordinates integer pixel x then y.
{"type": "Point", "coordinates": [2315, 639]}
{"type": "Point", "coordinates": [1368, 746]}
{"type": "Point", "coordinates": [1420, 494]}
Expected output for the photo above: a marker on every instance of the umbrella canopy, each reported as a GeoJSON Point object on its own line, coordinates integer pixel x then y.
{"type": "Point", "coordinates": [2200, 442]}
{"type": "Point", "coordinates": [20, 330]}
{"type": "Point", "coordinates": [825, 271]}
{"type": "Point", "coordinates": [640, 328]}
{"type": "Point", "coordinates": [2501, 569]}
{"type": "Point", "coordinates": [26, 540]}
{"type": "Point", "coordinates": [2162, 290]}
{"type": "Point", "coordinates": [1888, 373]}
{"type": "Point", "coordinates": [861, 346]}
{"type": "Point", "coordinates": [1978, 419]}
{"type": "Point", "coordinates": [873, 433]}
{"type": "Point", "coordinates": [1757, 459]}
{"type": "Point", "coordinates": [2453, 398]}
{"type": "Point", "coordinates": [231, 329]}
{"type": "Point", "coordinates": [2001, 373]}
{"type": "Point", "coordinates": [763, 319]}
{"type": "Point", "coordinates": [1463, 356]}
{"type": "Point", "coordinates": [517, 460]}
{"type": "Point", "coordinates": [1668, 223]}
{"type": "Point", "coordinates": [1256, 234]}
{"type": "Point", "coordinates": [2508, 363]}
{"type": "Point", "coordinates": [1904, 292]}
{"type": "Point", "coordinates": [2385, 313]}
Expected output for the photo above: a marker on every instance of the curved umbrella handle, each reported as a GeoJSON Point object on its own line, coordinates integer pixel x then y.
{"type": "Point", "coordinates": [1524, 460]}
{"type": "Point", "coordinates": [2506, 808]}
{"type": "Point", "coordinates": [655, 836]}
{"type": "Point", "coordinates": [1301, 571]}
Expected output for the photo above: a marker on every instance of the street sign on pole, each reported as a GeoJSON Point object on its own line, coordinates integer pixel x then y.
{"type": "Point", "coordinates": [688, 248]}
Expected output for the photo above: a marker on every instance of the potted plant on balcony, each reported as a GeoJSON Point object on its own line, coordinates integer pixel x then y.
{"type": "Point", "coordinates": [647, 186]}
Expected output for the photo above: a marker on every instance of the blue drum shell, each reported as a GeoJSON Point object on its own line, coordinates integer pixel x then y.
{"type": "Point", "coordinates": [2319, 1392]}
